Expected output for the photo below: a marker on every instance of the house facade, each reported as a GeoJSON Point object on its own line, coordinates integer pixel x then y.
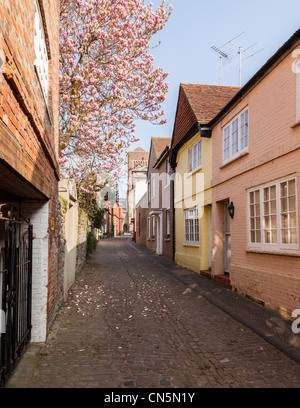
{"type": "Point", "coordinates": [191, 159]}
{"type": "Point", "coordinates": [113, 220]}
{"type": "Point", "coordinates": [29, 172]}
{"type": "Point", "coordinates": [137, 175]}
{"type": "Point", "coordinates": [154, 212]}
{"type": "Point", "coordinates": [256, 173]}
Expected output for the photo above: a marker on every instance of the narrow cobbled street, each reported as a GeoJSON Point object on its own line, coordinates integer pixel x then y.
{"type": "Point", "coordinates": [130, 323]}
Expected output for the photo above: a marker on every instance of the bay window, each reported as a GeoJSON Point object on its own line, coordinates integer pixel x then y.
{"type": "Point", "coordinates": [273, 216]}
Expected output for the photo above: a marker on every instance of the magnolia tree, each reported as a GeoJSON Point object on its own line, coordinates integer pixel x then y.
{"type": "Point", "coordinates": [107, 81]}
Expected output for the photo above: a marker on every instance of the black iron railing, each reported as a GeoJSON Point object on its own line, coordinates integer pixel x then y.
{"type": "Point", "coordinates": [15, 292]}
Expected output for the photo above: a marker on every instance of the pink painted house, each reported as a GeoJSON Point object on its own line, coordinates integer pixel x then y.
{"type": "Point", "coordinates": [256, 184]}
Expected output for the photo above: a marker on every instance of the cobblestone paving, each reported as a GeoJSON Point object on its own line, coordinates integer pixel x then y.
{"type": "Point", "coordinates": [128, 323]}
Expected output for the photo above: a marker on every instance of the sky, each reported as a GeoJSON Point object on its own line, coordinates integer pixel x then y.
{"type": "Point", "coordinates": [197, 25]}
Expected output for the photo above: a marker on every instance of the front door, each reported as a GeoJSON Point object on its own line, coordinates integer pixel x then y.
{"type": "Point", "coordinates": [210, 240]}
{"type": "Point", "coordinates": [227, 239]}
{"type": "Point", "coordinates": [159, 234]}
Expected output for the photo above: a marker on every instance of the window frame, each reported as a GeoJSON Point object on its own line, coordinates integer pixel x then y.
{"type": "Point", "coordinates": [228, 131]}
{"type": "Point", "coordinates": [193, 228]}
{"type": "Point", "coordinates": [149, 228]}
{"type": "Point", "coordinates": [279, 246]}
{"type": "Point", "coordinates": [149, 191]}
{"type": "Point", "coordinates": [297, 73]}
{"type": "Point", "coordinates": [168, 222]}
{"type": "Point", "coordinates": [41, 52]}
{"type": "Point", "coordinates": [193, 168]}
{"type": "Point", "coordinates": [153, 226]}
{"type": "Point", "coordinates": [153, 185]}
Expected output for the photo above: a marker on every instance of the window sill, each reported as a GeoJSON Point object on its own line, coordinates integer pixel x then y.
{"type": "Point", "coordinates": [167, 240]}
{"type": "Point", "coordinates": [297, 124]}
{"type": "Point", "coordinates": [234, 159]}
{"type": "Point", "coordinates": [192, 245]}
{"type": "Point", "coordinates": [291, 252]}
{"type": "Point", "coordinates": [194, 171]}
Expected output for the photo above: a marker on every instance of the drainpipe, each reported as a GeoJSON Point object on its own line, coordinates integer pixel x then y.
{"type": "Point", "coordinates": [173, 211]}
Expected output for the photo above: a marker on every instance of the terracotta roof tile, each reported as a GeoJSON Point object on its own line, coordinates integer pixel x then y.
{"type": "Point", "coordinates": [159, 144]}
{"type": "Point", "coordinates": [199, 103]}
{"type": "Point", "coordinates": [207, 100]}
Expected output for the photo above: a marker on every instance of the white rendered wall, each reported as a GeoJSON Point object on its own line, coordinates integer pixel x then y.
{"type": "Point", "coordinates": [38, 212]}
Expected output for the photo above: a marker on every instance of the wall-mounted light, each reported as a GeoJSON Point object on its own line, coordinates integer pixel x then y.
{"type": "Point", "coordinates": [230, 209]}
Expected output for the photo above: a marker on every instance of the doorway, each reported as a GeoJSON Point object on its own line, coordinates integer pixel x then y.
{"type": "Point", "coordinates": [227, 240]}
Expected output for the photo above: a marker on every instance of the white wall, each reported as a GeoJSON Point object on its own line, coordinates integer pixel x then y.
{"type": "Point", "coordinates": [38, 212]}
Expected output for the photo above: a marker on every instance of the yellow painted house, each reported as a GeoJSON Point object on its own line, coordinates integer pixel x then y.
{"type": "Point", "coordinates": [191, 160]}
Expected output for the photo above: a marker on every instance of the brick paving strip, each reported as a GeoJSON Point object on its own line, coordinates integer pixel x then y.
{"type": "Point", "coordinates": [137, 320]}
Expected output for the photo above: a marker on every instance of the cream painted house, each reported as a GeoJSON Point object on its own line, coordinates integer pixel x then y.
{"type": "Point", "coordinates": [191, 160]}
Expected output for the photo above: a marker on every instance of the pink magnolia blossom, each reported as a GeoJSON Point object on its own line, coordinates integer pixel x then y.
{"type": "Point", "coordinates": [107, 81]}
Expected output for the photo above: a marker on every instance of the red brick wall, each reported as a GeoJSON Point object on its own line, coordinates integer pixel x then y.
{"type": "Point", "coordinates": [28, 127]}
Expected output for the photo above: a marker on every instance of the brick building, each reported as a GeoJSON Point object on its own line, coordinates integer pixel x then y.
{"type": "Point", "coordinates": [113, 220]}
{"type": "Point", "coordinates": [137, 174]}
{"type": "Point", "coordinates": [154, 212]}
{"type": "Point", "coordinates": [29, 172]}
{"type": "Point", "coordinates": [256, 176]}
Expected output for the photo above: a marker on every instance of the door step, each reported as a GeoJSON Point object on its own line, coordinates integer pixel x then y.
{"type": "Point", "coordinates": [223, 280]}
{"type": "Point", "coordinates": [207, 274]}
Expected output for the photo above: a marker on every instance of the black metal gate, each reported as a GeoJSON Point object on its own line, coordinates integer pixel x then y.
{"type": "Point", "coordinates": [15, 288]}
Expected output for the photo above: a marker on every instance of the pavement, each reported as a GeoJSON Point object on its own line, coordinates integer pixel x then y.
{"type": "Point", "coordinates": [137, 320]}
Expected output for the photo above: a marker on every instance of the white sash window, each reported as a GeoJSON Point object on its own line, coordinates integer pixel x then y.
{"type": "Point", "coordinates": [41, 55]}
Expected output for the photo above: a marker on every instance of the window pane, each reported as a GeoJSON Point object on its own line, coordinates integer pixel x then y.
{"type": "Point", "coordinates": [257, 209]}
{"type": "Point", "coordinates": [252, 223]}
{"type": "Point", "coordinates": [273, 221]}
{"type": "Point", "coordinates": [283, 205]}
{"type": "Point", "coordinates": [253, 236]}
{"type": "Point", "coordinates": [266, 208]}
{"type": "Point", "coordinates": [266, 194]}
{"type": "Point", "coordinates": [252, 211]}
{"type": "Point", "coordinates": [257, 196]}
{"type": "Point", "coordinates": [235, 135]}
{"type": "Point", "coordinates": [293, 236]}
{"type": "Point", "coordinates": [292, 220]}
{"type": "Point", "coordinates": [273, 207]}
{"type": "Point", "coordinates": [252, 198]}
{"type": "Point", "coordinates": [292, 188]}
{"type": "Point", "coordinates": [194, 157]}
{"type": "Point", "coordinates": [267, 222]}
{"type": "Point", "coordinates": [257, 223]}
{"type": "Point", "coordinates": [283, 189]}
{"type": "Point", "coordinates": [284, 235]}
{"type": "Point", "coordinates": [273, 193]}
{"type": "Point", "coordinates": [274, 236]}
{"type": "Point", "coordinates": [292, 203]}
{"type": "Point", "coordinates": [199, 152]}
{"type": "Point", "coordinates": [284, 221]}
{"type": "Point", "coordinates": [267, 237]}
{"type": "Point", "coordinates": [258, 236]}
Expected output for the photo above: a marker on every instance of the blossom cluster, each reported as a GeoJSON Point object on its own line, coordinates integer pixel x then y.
{"type": "Point", "coordinates": [107, 81]}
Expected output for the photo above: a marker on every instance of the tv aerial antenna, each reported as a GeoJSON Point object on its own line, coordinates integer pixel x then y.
{"type": "Point", "coordinates": [230, 50]}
